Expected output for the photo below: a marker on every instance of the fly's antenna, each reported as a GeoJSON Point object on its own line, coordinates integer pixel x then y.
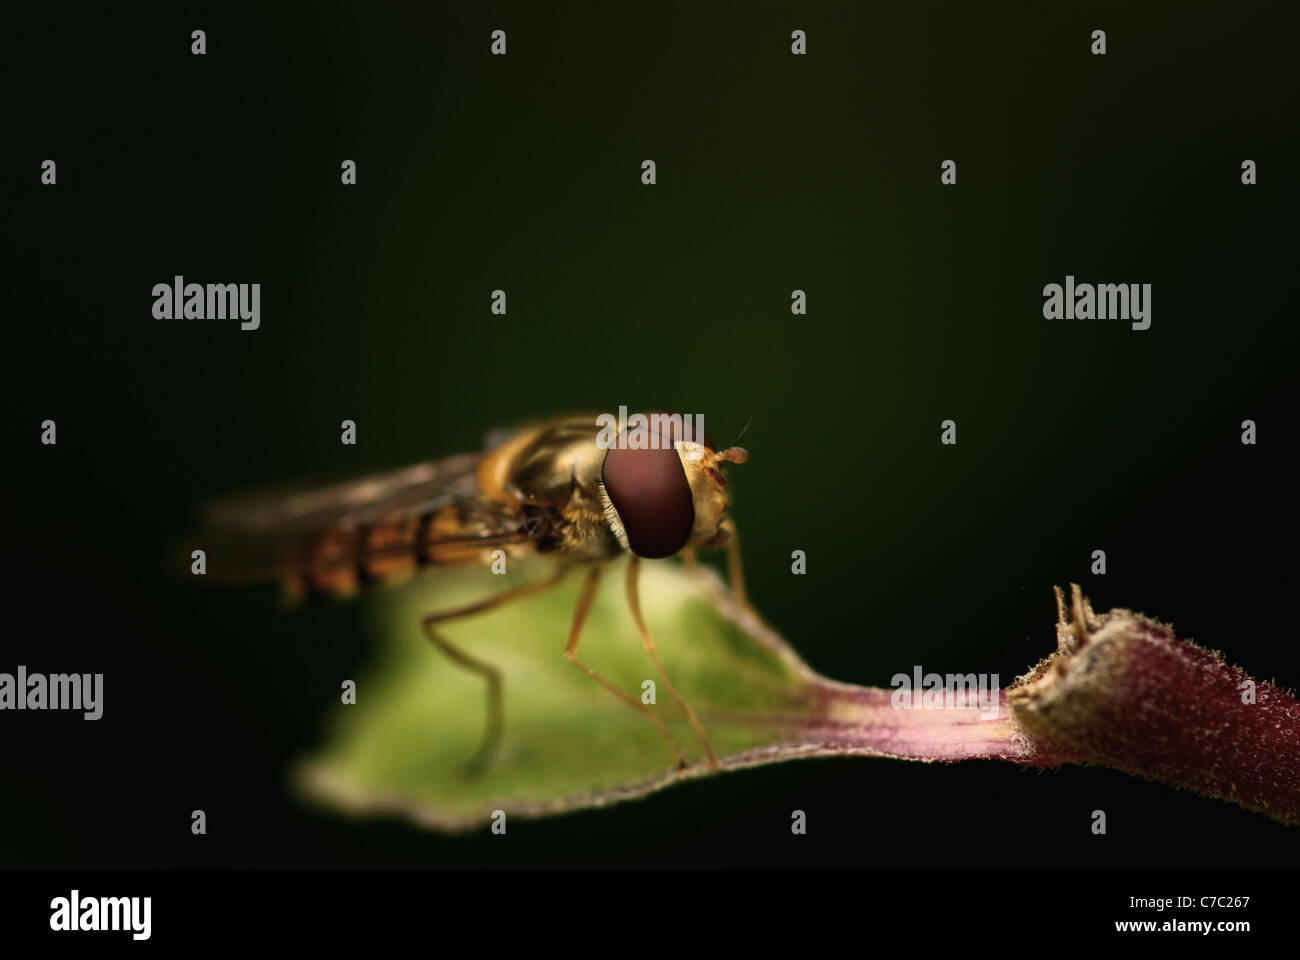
{"type": "Point", "coordinates": [742, 432]}
{"type": "Point", "coordinates": [735, 454]}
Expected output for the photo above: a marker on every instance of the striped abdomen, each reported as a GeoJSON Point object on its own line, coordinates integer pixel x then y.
{"type": "Point", "coordinates": [339, 562]}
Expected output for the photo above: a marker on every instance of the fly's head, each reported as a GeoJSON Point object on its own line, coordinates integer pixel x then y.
{"type": "Point", "coordinates": [661, 498]}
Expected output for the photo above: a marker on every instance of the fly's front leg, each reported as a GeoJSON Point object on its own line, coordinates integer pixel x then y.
{"type": "Point", "coordinates": [571, 654]}
{"type": "Point", "coordinates": [647, 641]}
{"type": "Point", "coordinates": [735, 570]}
{"type": "Point", "coordinates": [496, 713]}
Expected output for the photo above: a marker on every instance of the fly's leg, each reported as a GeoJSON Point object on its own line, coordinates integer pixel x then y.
{"type": "Point", "coordinates": [735, 570]}
{"type": "Point", "coordinates": [492, 736]}
{"type": "Point", "coordinates": [571, 654]}
{"type": "Point", "coordinates": [647, 641]}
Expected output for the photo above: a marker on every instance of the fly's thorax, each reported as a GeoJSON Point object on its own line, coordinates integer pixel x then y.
{"type": "Point", "coordinates": [550, 474]}
{"type": "Point", "coordinates": [543, 464]}
{"type": "Point", "coordinates": [587, 536]}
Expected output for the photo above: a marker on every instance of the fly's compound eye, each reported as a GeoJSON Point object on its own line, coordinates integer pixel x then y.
{"type": "Point", "coordinates": [649, 490]}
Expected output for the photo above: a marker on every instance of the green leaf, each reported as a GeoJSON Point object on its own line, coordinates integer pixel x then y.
{"type": "Point", "coordinates": [568, 743]}
{"type": "Point", "coordinates": [1121, 690]}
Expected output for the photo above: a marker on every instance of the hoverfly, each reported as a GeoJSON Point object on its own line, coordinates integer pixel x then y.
{"type": "Point", "coordinates": [548, 488]}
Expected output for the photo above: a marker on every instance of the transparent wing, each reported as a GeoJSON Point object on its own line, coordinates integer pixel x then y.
{"type": "Point", "coordinates": [369, 527]}
{"type": "Point", "coordinates": [409, 491]}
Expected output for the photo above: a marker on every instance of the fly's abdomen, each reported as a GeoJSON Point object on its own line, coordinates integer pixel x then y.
{"type": "Point", "coordinates": [339, 562]}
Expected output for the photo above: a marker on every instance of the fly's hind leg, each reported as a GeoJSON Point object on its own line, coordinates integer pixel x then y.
{"type": "Point", "coordinates": [496, 714]}
{"type": "Point", "coordinates": [571, 654]}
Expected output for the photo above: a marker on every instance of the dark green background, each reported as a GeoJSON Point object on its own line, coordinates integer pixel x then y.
{"type": "Point", "coordinates": [775, 172]}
